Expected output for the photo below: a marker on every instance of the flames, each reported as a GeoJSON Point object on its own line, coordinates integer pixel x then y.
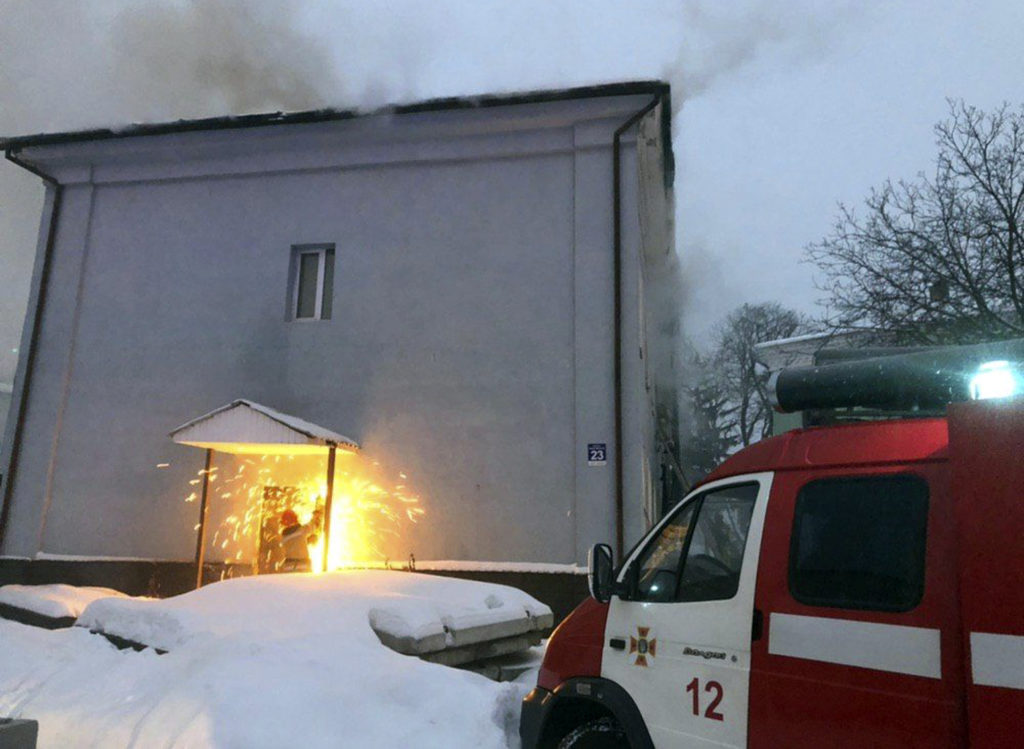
{"type": "Point", "coordinates": [370, 508]}
{"type": "Point", "coordinates": [365, 511]}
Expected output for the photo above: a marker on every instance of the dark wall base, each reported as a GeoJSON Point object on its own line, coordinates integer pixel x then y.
{"type": "Point", "coordinates": [155, 579]}
{"type": "Point", "coordinates": [561, 591]}
{"type": "Point", "coordinates": [24, 616]}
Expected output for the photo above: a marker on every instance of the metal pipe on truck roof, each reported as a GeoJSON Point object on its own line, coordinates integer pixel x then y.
{"type": "Point", "coordinates": [923, 380]}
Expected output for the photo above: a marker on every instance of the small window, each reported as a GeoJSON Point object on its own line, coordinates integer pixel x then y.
{"type": "Point", "coordinates": [859, 543]}
{"type": "Point", "coordinates": [312, 294]}
{"type": "Point", "coordinates": [698, 560]}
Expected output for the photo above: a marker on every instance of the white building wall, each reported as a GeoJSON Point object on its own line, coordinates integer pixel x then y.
{"type": "Point", "coordinates": [470, 344]}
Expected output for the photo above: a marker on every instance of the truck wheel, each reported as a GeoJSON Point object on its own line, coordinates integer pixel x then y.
{"type": "Point", "coordinates": [603, 733]}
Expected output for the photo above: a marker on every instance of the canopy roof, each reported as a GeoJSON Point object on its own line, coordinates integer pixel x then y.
{"type": "Point", "coordinates": [243, 426]}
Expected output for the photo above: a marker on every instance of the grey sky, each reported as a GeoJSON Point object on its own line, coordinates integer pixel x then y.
{"type": "Point", "coordinates": [786, 107]}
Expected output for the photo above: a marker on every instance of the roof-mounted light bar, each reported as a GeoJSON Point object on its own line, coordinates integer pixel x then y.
{"type": "Point", "coordinates": [925, 380]}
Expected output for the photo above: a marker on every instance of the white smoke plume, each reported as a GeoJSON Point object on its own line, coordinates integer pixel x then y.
{"type": "Point", "coordinates": [69, 64]}
{"type": "Point", "coordinates": [721, 39]}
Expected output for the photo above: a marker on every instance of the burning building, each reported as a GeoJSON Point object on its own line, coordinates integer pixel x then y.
{"type": "Point", "coordinates": [475, 290]}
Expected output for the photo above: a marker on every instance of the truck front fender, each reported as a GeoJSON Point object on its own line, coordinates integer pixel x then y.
{"type": "Point", "coordinates": [549, 715]}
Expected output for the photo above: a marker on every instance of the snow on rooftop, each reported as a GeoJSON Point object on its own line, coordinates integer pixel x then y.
{"type": "Point", "coordinates": [800, 350]}
{"type": "Point", "coordinates": [278, 660]}
{"type": "Point", "coordinates": [244, 426]}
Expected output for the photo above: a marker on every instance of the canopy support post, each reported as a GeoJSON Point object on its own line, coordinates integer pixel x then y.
{"type": "Point", "coordinates": [327, 503]}
{"type": "Point", "coordinates": [201, 535]}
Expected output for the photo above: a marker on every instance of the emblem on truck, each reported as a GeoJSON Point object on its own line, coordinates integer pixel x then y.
{"type": "Point", "coordinates": [642, 646]}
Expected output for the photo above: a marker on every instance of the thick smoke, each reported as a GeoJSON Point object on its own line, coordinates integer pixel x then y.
{"type": "Point", "coordinates": [68, 65]}
{"type": "Point", "coordinates": [75, 64]}
{"type": "Point", "coordinates": [233, 57]}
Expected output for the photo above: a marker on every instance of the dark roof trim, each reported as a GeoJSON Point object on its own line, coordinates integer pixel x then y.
{"type": "Point", "coordinates": [630, 88]}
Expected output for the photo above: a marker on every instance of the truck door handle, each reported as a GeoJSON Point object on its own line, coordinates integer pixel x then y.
{"type": "Point", "coordinates": [617, 643]}
{"type": "Point", "coordinates": [757, 629]}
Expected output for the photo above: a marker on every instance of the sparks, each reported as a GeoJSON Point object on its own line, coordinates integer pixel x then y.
{"type": "Point", "coordinates": [369, 513]}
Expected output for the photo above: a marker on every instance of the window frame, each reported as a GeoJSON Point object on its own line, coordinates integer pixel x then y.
{"type": "Point", "coordinates": [697, 515]}
{"type": "Point", "coordinates": [322, 251]}
{"type": "Point", "coordinates": [694, 506]}
{"type": "Point", "coordinates": [791, 566]}
{"type": "Point", "coordinates": [630, 566]}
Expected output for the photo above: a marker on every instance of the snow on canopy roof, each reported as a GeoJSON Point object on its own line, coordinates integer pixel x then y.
{"type": "Point", "coordinates": [243, 426]}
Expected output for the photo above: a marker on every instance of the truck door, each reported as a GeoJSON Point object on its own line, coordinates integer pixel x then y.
{"type": "Point", "coordinates": [681, 644]}
{"type": "Point", "coordinates": [857, 585]}
{"type": "Point", "coordinates": [986, 447]}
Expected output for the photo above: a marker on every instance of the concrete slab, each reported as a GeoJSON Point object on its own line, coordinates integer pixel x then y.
{"type": "Point", "coordinates": [460, 656]}
{"type": "Point", "coordinates": [460, 645]}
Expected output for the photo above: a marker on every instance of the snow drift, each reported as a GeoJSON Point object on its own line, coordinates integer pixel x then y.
{"type": "Point", "coordinates": [268, 661]}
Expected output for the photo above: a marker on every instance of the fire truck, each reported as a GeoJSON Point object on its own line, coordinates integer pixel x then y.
{"type": "Point", "coordinates": [858, 584]}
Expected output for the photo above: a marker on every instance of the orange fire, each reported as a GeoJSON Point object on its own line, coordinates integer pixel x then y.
{"type": "Point", "coordinates": [369, 508]}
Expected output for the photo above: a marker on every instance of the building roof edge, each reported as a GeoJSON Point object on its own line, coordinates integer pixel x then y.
{"type": "Point", "coordinates": [229, 122]}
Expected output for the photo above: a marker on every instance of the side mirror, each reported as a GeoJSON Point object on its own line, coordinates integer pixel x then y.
{"type": "Point", "coordinates": [600, 572]}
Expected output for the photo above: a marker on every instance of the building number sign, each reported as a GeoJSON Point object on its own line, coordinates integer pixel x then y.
{"type": "Point", "coordinates": [597, 454]}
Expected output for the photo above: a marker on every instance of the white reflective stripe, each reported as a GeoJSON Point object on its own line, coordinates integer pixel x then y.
{"type": "Point", "coordinates": [885, 647]}
{"type": "Point", "coordinates": [997, 660]}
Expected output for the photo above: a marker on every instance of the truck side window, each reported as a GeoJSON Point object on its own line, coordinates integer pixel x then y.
{"type": "Point", "coordinates": [698, 560]}
{"type": "Point", "coordinates": [859, 543]}
{"type": "Point", "coordinates": [659, 562]}
{"type": "Point", "coordinates": [714, 558]}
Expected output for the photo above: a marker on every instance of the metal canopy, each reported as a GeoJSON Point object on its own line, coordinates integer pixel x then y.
{"type": "Point", "coordinates": [245, 427]}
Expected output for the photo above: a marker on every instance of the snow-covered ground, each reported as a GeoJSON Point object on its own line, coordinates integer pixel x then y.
{"type": "Point", "coordinates": [270, 661]}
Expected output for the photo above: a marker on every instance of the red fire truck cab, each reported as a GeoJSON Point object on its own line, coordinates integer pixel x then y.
{"type": "Point", "coordinates": [859, 585]}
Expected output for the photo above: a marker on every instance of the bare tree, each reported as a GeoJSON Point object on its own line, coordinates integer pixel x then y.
{"type": "Point", "coordinates": [938, 260]}
{"type": "Point", "coordinates": [724, 393]}
{"type": "Point", "coordinates": [743, 379]}
{"type": "Point", "coordinates": [704, 429]}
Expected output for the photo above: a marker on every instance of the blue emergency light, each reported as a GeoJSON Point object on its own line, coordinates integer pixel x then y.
{"type": "Point", "coordinates": [994, 379]}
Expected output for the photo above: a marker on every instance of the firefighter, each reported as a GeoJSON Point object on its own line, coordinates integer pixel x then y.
{"type": "Point", "coordinates": [296, 540]}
